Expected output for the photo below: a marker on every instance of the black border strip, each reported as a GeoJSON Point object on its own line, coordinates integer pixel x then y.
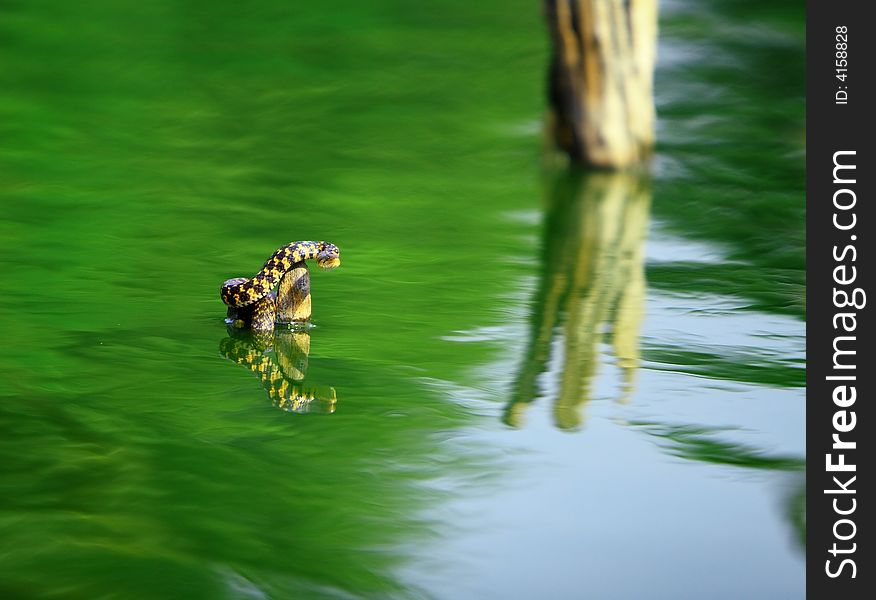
{"type": "Point", "coordinates": [839, 257]}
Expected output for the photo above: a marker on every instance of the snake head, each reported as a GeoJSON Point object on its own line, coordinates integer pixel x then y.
{"type": "Point", "coordinates": [329, 256]}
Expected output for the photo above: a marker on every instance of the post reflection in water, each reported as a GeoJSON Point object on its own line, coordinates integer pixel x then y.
{"type": "Point", "coordinates": [279, 359]}
{"type": "Point", "coordinates": [592, 280]}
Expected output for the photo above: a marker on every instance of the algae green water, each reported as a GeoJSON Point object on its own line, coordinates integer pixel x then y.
{"type": "Point", "coordinates": [542, 384]}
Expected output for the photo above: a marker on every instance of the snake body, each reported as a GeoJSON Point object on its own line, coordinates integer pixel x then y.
{"type": "Point", "coordinates": [251, 300]}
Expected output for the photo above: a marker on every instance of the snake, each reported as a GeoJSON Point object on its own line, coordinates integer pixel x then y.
{"type": "Point", "coordinates": [252, 300]}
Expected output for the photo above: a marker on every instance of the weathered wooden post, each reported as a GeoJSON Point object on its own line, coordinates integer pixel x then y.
{"type": "Point", "coordinates": [601, 80]}
{"type": "Point", "coordinates": [293, 296]}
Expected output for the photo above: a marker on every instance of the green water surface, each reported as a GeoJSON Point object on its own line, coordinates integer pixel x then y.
{"type": "Point", "coordinates": [544, 384]}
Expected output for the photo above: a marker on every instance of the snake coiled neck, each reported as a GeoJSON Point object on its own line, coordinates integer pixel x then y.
{"type": "Point", "coordinates": [242, 292]}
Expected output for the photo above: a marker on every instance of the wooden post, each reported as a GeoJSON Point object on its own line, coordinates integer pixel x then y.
{"type": "Point", "coordinates": [601, 80]}
{"type": "Point", "coordinates": [293, 296]}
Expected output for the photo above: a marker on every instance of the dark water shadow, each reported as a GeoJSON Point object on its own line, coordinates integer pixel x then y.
{"type": "Point", "coordinates": [592, 289]}
{"type": "Point", "coordinates": [280, 359]}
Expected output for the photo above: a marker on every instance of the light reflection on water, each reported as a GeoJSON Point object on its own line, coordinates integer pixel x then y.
{"type": "Point", "coordinates": [599, 511]}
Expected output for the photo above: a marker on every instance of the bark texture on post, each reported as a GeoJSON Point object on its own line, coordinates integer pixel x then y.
{"type": "Point", "coordinates": [601, 79]}
{"type": "Point", "coordinates": [293, 295]}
